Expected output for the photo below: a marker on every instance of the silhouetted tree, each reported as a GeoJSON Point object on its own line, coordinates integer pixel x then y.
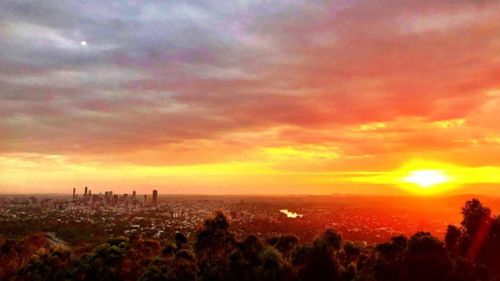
{"type": "Point", "coordinates": [118, 259]}
{"type": "Point", "coordinates": [284, 244]}
{"type": "Point", "coordinates": [464, 270]}
{"type": "Point", "coordinates": [250, 248]}
{"type": "Point", "coordinates": [489, 253]}
{"type": "Point", "coordinates": [352, 251]}
{"type": "Point", "coordinates": [101, 264]}
{"type": "Point", "coordinates": [46, 265]}
{"type": "Point", "coordinates": [273, 266]}
{"type": "Point", "coordinates": [156, 271]}
{"type": "Point", "coordinates": [180, 239]}
{"type": "Point", "coordinates": [387, 264]}
{"type": "Point", "coordinates": [426, 259]}
{"type": "Point", "coordinates": [244, 260]}
{"type": "Point", "coordinates": [317, 261]}
{"type": "Point", "coordinates": [214, 242]}
{"type": "Point", "coordinates": [474, 214]}
{"type": "Point", "coordinates": [161, 265]}
{"type": "Point", "coordinates": [184, 266]}
{"type": "Point", "coordinates": [452, 239]}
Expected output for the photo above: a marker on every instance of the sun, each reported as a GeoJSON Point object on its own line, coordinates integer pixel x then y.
{"type": "Point", "coordinates": [427, 178]}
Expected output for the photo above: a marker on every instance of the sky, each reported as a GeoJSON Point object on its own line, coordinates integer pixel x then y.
{"type": "Point", "coordinates": [249, 97]}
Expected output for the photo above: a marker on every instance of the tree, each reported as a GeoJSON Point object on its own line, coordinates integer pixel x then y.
{"type": "Point", "coordinates": [351, 251]}
{"type": "Point", "coordinates": [387, 264]}
{"type": "Point", "coordinates": [155, 272]}
{"type": "Point", "coordinates": [46, 265]}
{"type": "Point", "coordinates": [244, 260]}
{"type": "Point", "coordinates": [101, 264]}
{"type": "Point", "coordinates": [474, 214]}
{"type": "Point", "coordinates": [426, 259]}
{"type": "Point", "coordinates": [214, 242]}
{"type": "Point", "coordinates": [273, 266]}
{"type": "Point", "coordinates": [184, 266]}
{"type": "Point", "coordinates": [118, 259]}
{"type": "Point", "coordinates": [489, 253]}
{"type": "Point", "coordinates": [180, 239]}
{"type": "Point", "coordinates": [317, 261]}
{"type": "Point", "coordinates": [250, 249]}
{"type": "Point", "coordinates": [161, 265]}
{"type": "Point", "coordinates": [284, 244]}
{"type": "Point", "coordinates": [215, 235]}
{"type": "Point", "coordinates": [332, 239]}
{"type": "Point", "coordinates": [452, 239]}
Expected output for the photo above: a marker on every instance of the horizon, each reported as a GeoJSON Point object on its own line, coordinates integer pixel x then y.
{"type": "Point", "coordinates": [351, 97]}
{"type": "Point", "coordinates": [282, 195]}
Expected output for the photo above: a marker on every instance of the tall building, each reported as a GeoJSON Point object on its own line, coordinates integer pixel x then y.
{"type": "Point", "coordinates": [134, 198]}
{"type": "Point", "coordinates": [74, 193]}
{"type": "Point", "coordinates": [145, 200]}
{"type": "Point", "coordinates": [155, 198]}
{"type": "Point", "coordinates": [85, 194]}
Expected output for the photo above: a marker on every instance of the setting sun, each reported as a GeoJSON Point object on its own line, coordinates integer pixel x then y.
{"type": "Point", "coordinates": [427, 178]}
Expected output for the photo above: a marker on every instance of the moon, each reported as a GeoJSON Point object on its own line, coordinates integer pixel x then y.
{"type": "Point", "coordinates": [83, 43]}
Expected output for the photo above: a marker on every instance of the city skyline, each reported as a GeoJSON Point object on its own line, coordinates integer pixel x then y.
{"type": "Point", "coordinates": [250, 97]}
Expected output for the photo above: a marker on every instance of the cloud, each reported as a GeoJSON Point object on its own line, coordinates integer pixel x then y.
{"type": "Point", "coordinates": [186, 78]}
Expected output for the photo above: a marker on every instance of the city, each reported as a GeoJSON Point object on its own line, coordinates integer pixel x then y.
{"type": "Point", "coordinates": [61, 232]}
{"type": "Point", "coordinates": [90, 218]}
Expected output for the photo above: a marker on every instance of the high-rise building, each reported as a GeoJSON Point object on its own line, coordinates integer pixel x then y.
{"type": "Point", "coordinates": [155, 198]}
{"type": "Point", "coordinates": [85, 194]}
{"type": "Point", "coordinates": [134, 198]}
{"type": "Point", "coordinates": [74, 193]}
{"type": "Point", "coordinates": [145, 199]}
{"type": "Point", "coordinates": [94, 199]}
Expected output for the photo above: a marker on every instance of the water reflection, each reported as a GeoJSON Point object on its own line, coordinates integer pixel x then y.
{"type": "Point", "coordinates": [291, 215]}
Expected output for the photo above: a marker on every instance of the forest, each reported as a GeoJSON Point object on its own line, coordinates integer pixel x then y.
{"type": "Point", "coordinates": [470, 252]}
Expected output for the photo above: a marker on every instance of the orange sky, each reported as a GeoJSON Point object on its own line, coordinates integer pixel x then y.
{"type": "Point", "coordinates": [271, 97]}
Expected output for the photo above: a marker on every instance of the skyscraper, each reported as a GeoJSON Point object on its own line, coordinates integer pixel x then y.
{"type": "Point", "coordinates": [155, 198]}
{"type": "Point", "coordinates": [134, 198]}
{"type": "Point", "coordinates": [74, 193]}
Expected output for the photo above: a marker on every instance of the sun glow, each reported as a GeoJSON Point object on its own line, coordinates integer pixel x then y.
{"type": "Point", "coordinates": [426, 178]}
{"type": "Point", "coordinates": [423, 178]}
